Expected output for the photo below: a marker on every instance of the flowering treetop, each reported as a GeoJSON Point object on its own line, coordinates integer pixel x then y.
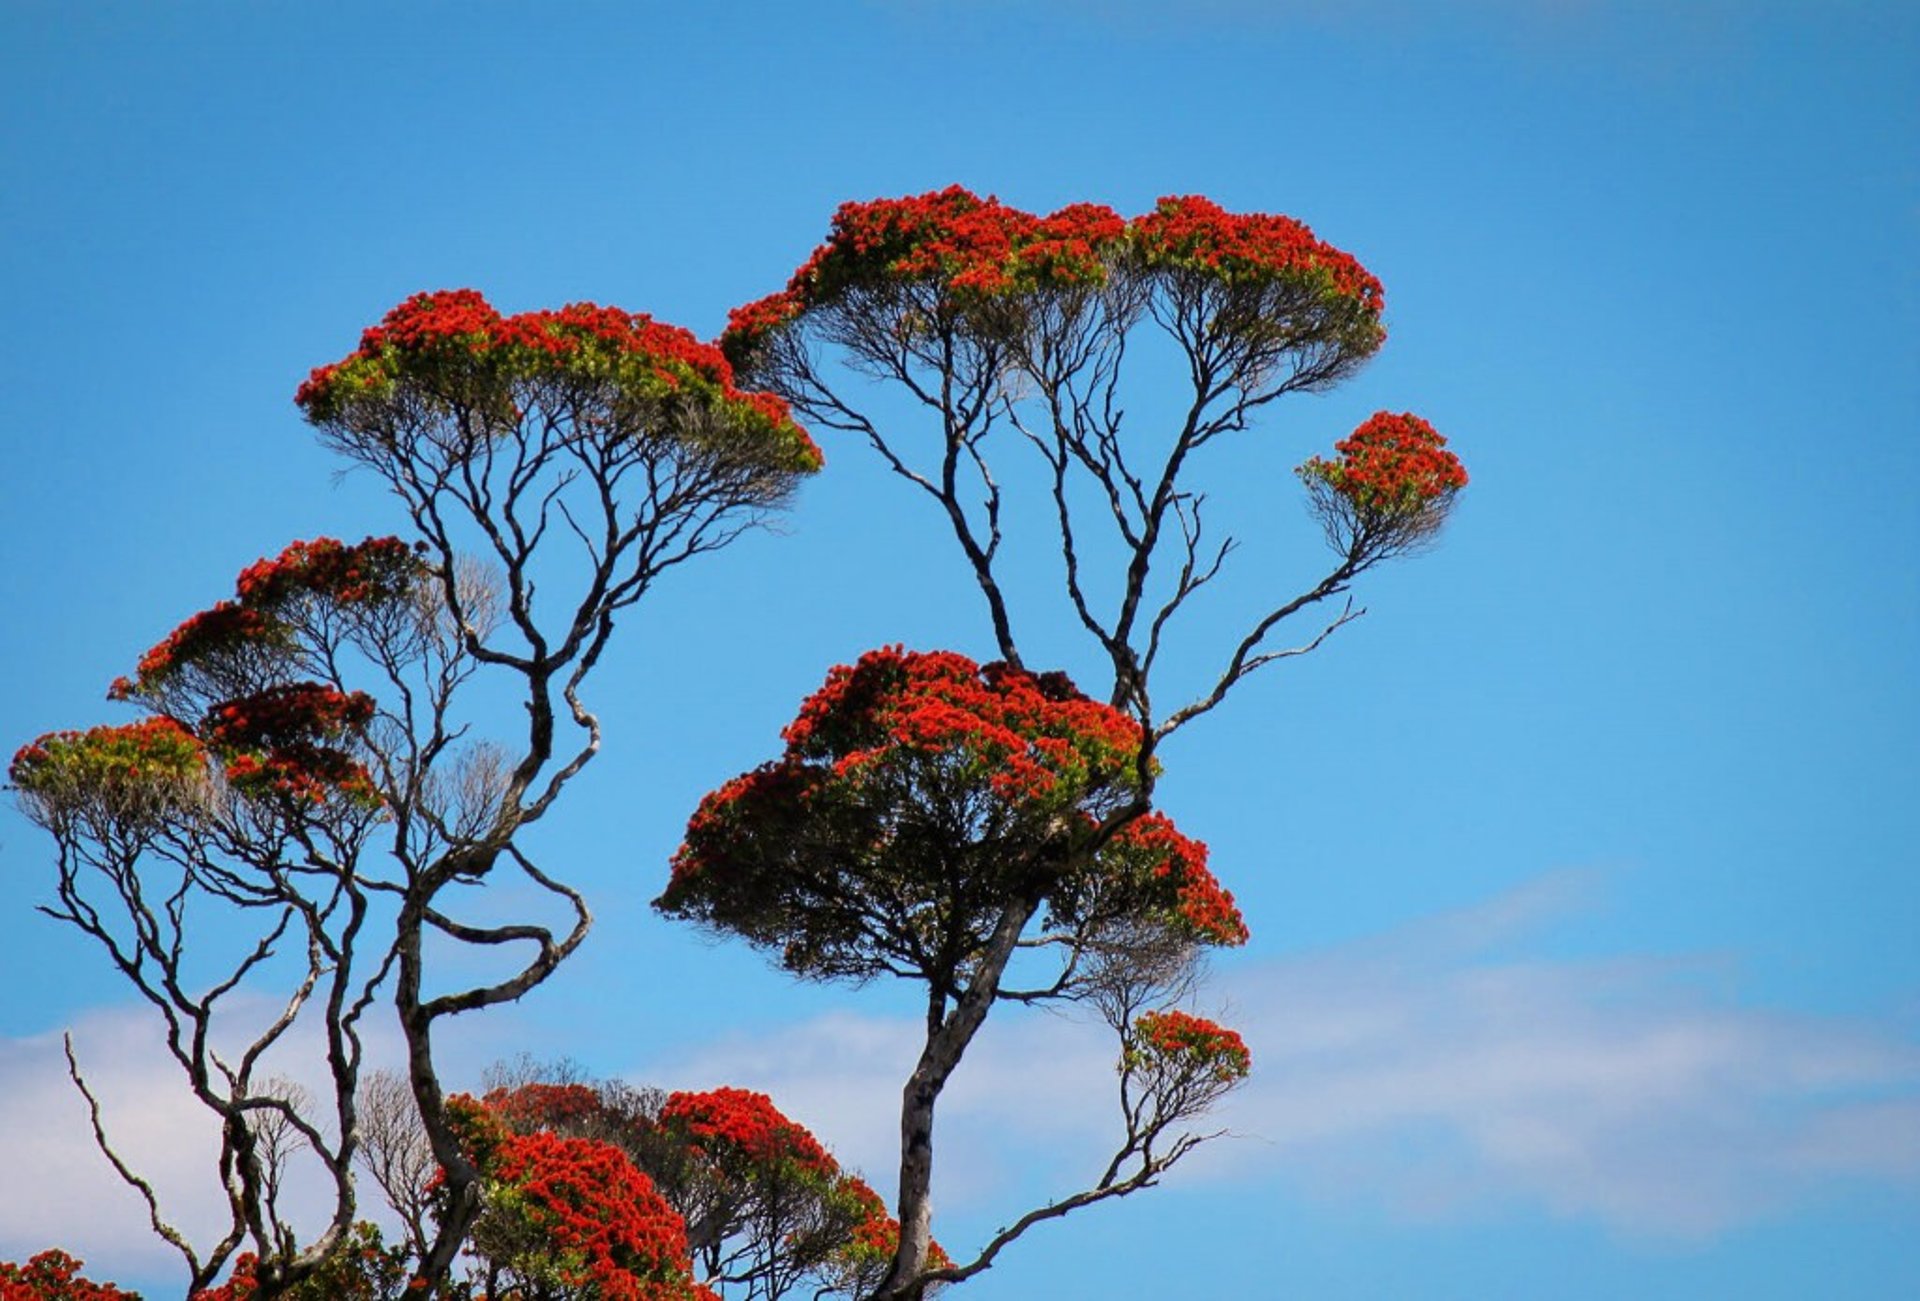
{"type": "Point", "coordinates": [918, 796]}
{"type": "Point", "coordinates": [227, 684]}
{"type": "Point", "coordinates": [972, 253]}
{"type": "Point", "coordinates": [759, 1202]}
{"type": "Point", "coordinates": [240, 646]}
{"type": "Point", "coordinates": [726, 1121]}
{"type": "Point", "coordinates": [453, 346]}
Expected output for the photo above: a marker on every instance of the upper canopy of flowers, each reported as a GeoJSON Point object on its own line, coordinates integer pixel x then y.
{"type": "Point", "coordinates": [228, 684]}
{"type": "Point", "coordinates": [972, 253]}
{"type": "Point", "coordinates": [218, 648]}
{"type": "Point", "coordinates": [123, 774]}
{"type": "Point", "coordinates": [1178, 1042]}
{"type": "Point", "coordinates": [453, 347]}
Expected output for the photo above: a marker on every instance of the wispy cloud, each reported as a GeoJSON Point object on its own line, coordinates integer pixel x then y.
{"type": "Point", "coordinates": [61, 1192]}
{"type": "Point", "coordinates": [1435, 1071]}
{"type": "Point", "coordinates": [1441, 1070]}
{"type": "Point", "coordinates": [1427, 1071]}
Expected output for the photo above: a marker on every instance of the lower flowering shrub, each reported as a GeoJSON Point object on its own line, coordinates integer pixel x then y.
{"type": "Point", "coordinates": [54, 1276]}
{"type": "Point", "coordinates": [571, 1218]}
{"type": "Point", "coordinates": [595, 1191]}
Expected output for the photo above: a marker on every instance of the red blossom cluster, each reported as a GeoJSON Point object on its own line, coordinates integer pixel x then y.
{"type": "Point", "coordinates": [982, 249]}
{"type": "Point", "coordinates": [1204, 908]}
{"type": "Point", "coordinates": [545, 1106]}
{"type": "Point", "coordinates": [378, 569]}
{"type": "Point", "coordinates": [140, 768]}
{"type": "Point", "coordinates": [240, 1285]}
{"type": "Point", "coordinates": [724, 1121]}
{"type": "Point", "coordinates": [578, 1211]}
{"type": "Point", "coordinates": [604, 1227]}
{"type": "Point", "coordinates": [973, 246]}
{"type": "Point", "coordinates": [149, 748]}
{"type": "Point", "coordinates": [1197, 233]}
{"type": "Point", "coordinates": [1391, 466]}
{"type": "Point", "coordinates": [1030, 744]}
{"type": "Point", "coordinates": [916, 791]}
{"type": "Point", "coordinates": [211, 632]}
{"type": "Point", "coordinates": [876, 1236]}
{"type": "Point", "coordinates": [273, 741]}
{"type": "Point", "coordinates": [742, 1147]}
{"type": "Point", "coordinates": [1032, 735]}
{"type": "Point", "coordinates": [1186, 1041]}
{"type": "Point", "coordinates": [297, 714]}
{"type": "Point", "coordinates": [54, 1276]}
{"type": "Point", "coordinates": [582, 339]}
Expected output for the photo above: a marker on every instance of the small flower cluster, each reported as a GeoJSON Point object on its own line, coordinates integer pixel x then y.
{"type": "Point", "coordinates": [1185, 1044]}
{"type": "Point", "coordinates": [374, 571]}
{"type": "Point", "coordinates": [1034, 737]}
{"type": "Point", "coordinates": [152, 747]}
{"type": "Point", "coordinates": [212, 632]}
{"type": "Point", "coordinates": [545, 1106]}
{"type": "Point", "coordinates": [602, 1225]}
{"type": "Point", "coordinates": [274, 741]}
{"type": "Point", "coordinates": [980, 250]}
{"type": "Point", "coordinates": [133, 769]}
{"type": "Point", "coordinates": [876, 1234]}
{"type": "Point", "coordinates": [1392, 466]}
{"type": "Point", "coordinates": [54, 1276]}
{"type": "Point", "coordinates": [1203, 908]}
{"type": "Point", "coordinates": [297, 714]}
{"type": "Point", "coordinates": [724, 1121]}
{"type": "Point", "coordinates": [1197, 234]}
{"type": "Point", "coordinates": [630, 351]}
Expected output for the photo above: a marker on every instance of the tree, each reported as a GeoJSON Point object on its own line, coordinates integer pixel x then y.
{"type": "Point", "coordinates": [309, 763]}
{"type": "Point", "coordinates": [934, 820]}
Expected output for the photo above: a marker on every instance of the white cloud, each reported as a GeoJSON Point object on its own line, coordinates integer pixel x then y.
{"type": "Point", "coordinates": [1429, 1071]}
{"type": "Point", "coordinates": [60, 1191]}
{"type": "Point", "coordinates": [1434, 1071]}
{"type": "Point", "coordinates": [1426, 1072]}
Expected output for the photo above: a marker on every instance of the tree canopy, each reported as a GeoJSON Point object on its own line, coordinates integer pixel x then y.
{"type": "Point", "coordinates": [314, 761]}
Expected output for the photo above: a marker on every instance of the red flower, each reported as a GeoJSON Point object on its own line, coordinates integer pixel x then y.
{"type": "Point", "coordinates": [974, 252]}
{"type": "Point", "coordinates": [1391, 486]}
{"type": "Point", "coordinates": [584, 342]}
{"type": "Point", "coordinates": [1181, 1044]}
{"type": "Point", "coordinates": [54, 1276]}
{"type": "Point", "coordinates": [725, 1121]}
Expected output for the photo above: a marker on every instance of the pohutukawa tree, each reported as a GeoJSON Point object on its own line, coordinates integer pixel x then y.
{"type": "Point", "coordinates": [988, 833]}
{"type": "Point", "coordinates": [605, 1192]}
{"type": "Point", "coordinates": [309, 766]}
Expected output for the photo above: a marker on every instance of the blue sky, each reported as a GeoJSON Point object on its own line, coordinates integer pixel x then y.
{"type": "Point", "coordinates": [1581, 870]}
